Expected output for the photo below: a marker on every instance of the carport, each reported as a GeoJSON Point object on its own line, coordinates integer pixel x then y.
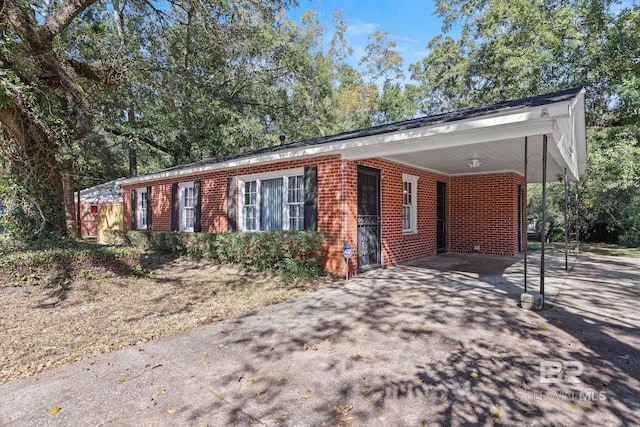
{"type": "Point", "coordinates": [541, 139]}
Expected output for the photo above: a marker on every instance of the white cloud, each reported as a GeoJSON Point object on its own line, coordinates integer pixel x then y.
{"type": "Point", "coordinates": [358, 28]}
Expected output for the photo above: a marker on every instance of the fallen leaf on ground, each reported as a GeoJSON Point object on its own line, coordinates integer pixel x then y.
{"type": "Point", "coordinates": [573, 405]}
{"type": "Point", "coordinates": [55, 410]}
{"type": "Point", "coordinates": [347, 419]}
{"type": "Point", "coordinates": [123, 379]}
{"type": "Point", "coordinates": [367, 398]}
{"type": "Point", "coordinates": [171, 411]}
{"type": "Point", "coordinates": [250, 382]}
{"type": "Point", "coordinates": [474, 374]}
{"type": "Point", "coordinates": [543, 327]}
{"type": "Point", "coordinates": [498, 411]}
{"type": "Point", "coordinates": [344, 410]}
{"type": "Point", "coordinates": [160, 390]}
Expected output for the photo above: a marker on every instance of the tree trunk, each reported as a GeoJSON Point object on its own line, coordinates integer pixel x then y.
{"type": "Point", "coordinates": [69, 202]}
{"type": "Point", "coordinates": [133, 149]}
{"type": "Point", "coordinates": [35, 197]}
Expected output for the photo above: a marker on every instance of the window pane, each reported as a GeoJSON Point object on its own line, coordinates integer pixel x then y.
{"type": "Point", "coordinates": [142, 209]}
{"type": "Point", "coordinates": [407, 206]}
{"type": "Point", "coordinates": [406, 193]}
{"type": "Point", "coordinates": [250, 220]}
{"type": "Point", "coordinates": [295, 193]}
{"type": "Point", "coordinates": [188, 197]}
{"type": "Point", "coordinates": [249, 207]}
{"type": "Point", "coordinates": [406, 217]}
{"type": "Point", "coordinates": [295, 199]}
{"type": "Point", "coordinates": [296, 217]}
{"type": "Point", "coordinates": [250, 193]}
{"type": "Point", "coordinates": [188, 212]}
{"type": "Point", "coordinates": [271, 199]}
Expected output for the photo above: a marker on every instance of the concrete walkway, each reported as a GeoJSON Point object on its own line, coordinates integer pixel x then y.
{"type": "Point", "coordinates": [439, 341]}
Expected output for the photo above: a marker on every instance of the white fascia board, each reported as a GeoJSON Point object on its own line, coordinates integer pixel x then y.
{"type": "Point", "coordinates": [577, 113]}
{"type": "Point", "coordinates": [477, 136]}
{"type": "Point", "coordinates": [539, 117]}
{"type": "Point", "coordinates": [553, 149]}
{"type": "Point", "coordinates": [462, 129]}
{"type": "Point", "coordinates": [561, 146]}
{"type": "Point", "coordinates": [569, 148]}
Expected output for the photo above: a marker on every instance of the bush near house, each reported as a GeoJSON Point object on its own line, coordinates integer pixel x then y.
{"type": "Point", "coordinates": [293, 254]}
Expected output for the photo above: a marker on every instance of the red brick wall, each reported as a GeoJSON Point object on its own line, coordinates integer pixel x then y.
{"type": "Point", "coordinates": [214, 202]}
{"type": "Point", "coordinates": [397, 247]}
{"type": "Point", "coordinates": [480, 208]}
{"type": "Point", "coordinates": [483, 210]}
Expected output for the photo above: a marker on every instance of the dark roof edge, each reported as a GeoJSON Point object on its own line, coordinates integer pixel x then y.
{"type": "Point", "coordinates": [453, 116]}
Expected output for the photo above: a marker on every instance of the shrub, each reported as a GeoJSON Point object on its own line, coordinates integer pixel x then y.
{"type": "Point", "coordinates": [290, 253]}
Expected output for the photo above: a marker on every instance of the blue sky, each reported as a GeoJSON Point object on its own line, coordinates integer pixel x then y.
{"type": "Point", "coordinates": [410, 23]}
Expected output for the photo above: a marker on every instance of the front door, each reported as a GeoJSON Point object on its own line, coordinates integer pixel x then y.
{"type": "Point", "coordinates": [441, 221]}
{"type": "Point", "coordinates": [369, 221]}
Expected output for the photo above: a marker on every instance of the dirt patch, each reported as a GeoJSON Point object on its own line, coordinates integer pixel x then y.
{"type": "Point", "coordinates": [46, 322]}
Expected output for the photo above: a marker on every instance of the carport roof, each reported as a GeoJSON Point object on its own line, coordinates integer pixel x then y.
{"type": "Point", "coordinates": [445, 143]}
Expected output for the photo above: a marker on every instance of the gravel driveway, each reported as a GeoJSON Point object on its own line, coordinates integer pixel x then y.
{"type": "Point", "coordinates": [439, 341]}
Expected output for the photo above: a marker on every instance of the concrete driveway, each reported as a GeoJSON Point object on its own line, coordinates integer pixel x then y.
{"type": "Point", "coordinates": [439, 341]}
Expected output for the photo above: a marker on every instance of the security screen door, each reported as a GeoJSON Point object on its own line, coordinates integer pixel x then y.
{"type": "Point", "coordinates": [369, 221]}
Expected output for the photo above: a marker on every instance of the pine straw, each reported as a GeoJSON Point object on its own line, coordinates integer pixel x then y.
{"type": "Point", "coordinates": [101, 309]}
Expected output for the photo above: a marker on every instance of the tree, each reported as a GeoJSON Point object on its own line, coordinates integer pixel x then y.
{"type": "Point", "coordinates": [444, 81]}
{"type": "Point", "coordinates": [523, 48]}
{"type": "Point", "coordinates": [43, 108]}
{"type": "Point", "coordinates": [48, 76]}
{"type": "Point", "coordinates": [381, 59]}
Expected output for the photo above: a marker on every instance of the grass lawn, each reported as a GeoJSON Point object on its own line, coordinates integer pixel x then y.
{"type": "Point", "coordinates": [61, 306]}
{"type": "Point", "coordinates": [590, 248]}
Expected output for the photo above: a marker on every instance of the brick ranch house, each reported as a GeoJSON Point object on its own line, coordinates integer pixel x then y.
{"type": "Point", "coordinates": [453, 182]}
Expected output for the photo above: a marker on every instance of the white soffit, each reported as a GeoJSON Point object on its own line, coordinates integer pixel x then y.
{"type": "Point", "coordinates": [494, 157]}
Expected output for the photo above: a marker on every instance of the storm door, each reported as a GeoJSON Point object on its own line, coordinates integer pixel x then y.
{"type": "Point", "coordinates": [369, 220]}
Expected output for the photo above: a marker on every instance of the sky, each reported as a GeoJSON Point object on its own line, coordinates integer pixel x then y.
{"type": "Point", "coordinates": [410, 23]}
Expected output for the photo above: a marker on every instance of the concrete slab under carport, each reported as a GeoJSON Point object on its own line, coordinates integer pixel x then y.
{"type": "Point", "coordinates": [439, 341]}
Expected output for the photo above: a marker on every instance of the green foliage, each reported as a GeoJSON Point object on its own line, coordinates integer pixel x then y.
{"type": "Point", "coordinates": [14, 256]}
{"type": "Point", "coordinates": [382, 61]}
{"type": "Point", "coordinates": [291, 254]}
{"type": "Point", "coordinates": [516, 48]}
{"type": "Point", "coordinates": [55, 264]}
